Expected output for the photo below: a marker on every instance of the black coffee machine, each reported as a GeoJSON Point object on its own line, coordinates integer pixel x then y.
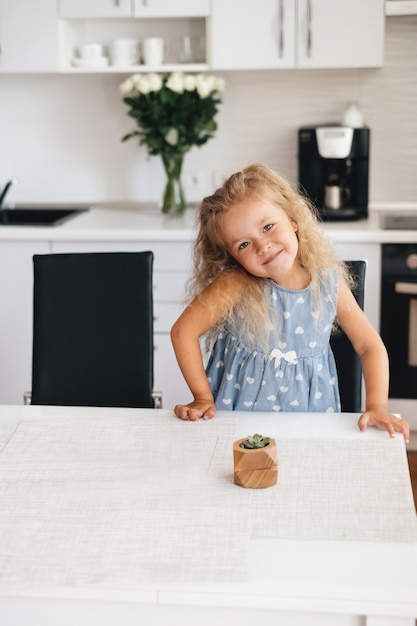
{"type": "Point", "coordinates": [334, 170]}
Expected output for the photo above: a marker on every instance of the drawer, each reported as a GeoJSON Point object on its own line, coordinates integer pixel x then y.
{"type": "Point", "coordinates": [174, 256]}
{"type": "Point", "coordinates": [165, 314]}
{"type": "Point", "coordinates": [169, 286]}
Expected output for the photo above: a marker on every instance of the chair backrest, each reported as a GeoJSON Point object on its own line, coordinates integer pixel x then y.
{"type": "Point", "coordinates": [93, 329]}
{"type": "Point", "coordinates": [348, 363]}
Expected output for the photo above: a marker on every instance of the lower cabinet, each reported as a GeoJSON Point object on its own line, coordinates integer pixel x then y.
{"type": "Point", "coordinates": [172, 263]}
{"type": "Point", "coordinates": [16, 288]}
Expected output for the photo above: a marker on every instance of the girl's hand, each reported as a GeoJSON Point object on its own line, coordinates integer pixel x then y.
{"type": "Point", "coordinates": [194, 410]}
{"type": "Point", "coordinates": [385, 421]}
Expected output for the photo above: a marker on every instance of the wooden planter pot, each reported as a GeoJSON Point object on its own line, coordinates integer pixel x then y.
{"type": "Point", "coordinates": [255, 468]}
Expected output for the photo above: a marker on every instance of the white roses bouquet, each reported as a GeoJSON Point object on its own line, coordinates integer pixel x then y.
{"type": "Point", "coordinates": [174, 111]}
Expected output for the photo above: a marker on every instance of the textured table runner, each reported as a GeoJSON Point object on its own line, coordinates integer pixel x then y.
{"type": "Point", "coordinates": [336, 489]}
{"type": "Point", "coordinates": [126, 500]}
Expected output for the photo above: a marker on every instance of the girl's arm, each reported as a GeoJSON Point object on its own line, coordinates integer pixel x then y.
{"type": "Point", "coordinates": [195, 321]}
{"type": "Point", "coordinates": [374, 358]}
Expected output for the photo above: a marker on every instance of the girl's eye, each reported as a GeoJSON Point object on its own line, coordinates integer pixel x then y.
{"type": "Point", "coordinates": [243, 245]}
{"type": "Point", "coordinates": [267, 227]}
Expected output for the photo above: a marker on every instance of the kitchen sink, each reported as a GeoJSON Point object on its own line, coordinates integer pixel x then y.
{"type": "Point", "coordinates": [36, 217]}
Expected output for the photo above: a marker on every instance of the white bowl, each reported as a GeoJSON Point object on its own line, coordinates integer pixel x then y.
{"type": "Point", "coordinates": [99, 62]}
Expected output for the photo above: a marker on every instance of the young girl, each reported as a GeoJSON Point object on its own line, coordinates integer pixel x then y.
{"type": "Point", "coordinates": [267, 291]}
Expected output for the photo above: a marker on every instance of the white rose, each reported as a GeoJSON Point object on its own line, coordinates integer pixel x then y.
{"type": "Point", "coordinates": [176, 82]}
{"type": "Point", "coordinates": [127, 87]}
{"type": "Point", "coordinates": [205, 85]}
{"type": "Point", "coordinates": [144, 84]}
{"type": "Point", "coordinates": [136, 81]}
{"type": "Point", "coordinates": [155, 81]}
{"type": "Point", "coordinates": [189, 82]}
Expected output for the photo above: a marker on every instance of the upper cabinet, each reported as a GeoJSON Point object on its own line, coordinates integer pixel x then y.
{"type": "Point", "coordinates": [84, 9]}
{"type": "Point", "coordinates": [171, 8]}
{"type": "Point", "coordinates": [181, 24]}
{"type": "Point", "coordinates": [199, 35]}
{"type": "Point", "coordinates": [87, 9]}
{"type": "Point", "coordinates": [270, 34]}
{"type": "Point", "coordinates": [28, 36]}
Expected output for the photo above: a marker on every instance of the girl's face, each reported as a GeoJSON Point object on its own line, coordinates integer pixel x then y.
{"type": "Point", "coordinates": [260, 237]}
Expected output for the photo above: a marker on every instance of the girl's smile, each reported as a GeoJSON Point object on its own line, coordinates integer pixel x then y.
{"type": "Point", "coordinates": [260, 237]}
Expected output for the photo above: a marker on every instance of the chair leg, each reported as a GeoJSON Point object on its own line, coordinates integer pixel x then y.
{"type": "Point", "coordinates": [157, 399]}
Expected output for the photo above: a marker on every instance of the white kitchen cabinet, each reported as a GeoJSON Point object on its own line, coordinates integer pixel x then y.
{"type": "Point", "coordinates": [86, 9]}
{"type": "Point", "coordinates": [170, 273]}
{"type": "Point", "coordinates": [274, 34]}
{"type": "Point", "coordinates": [29, 39]}
{"type": "Point", "coordinates": [16, 288]}
{"type": "Point", "coordinates": [101, 21]}
{"type": "Point", "coordinates": [168, 8]}
{"type": "Point", "coordinates": [83, 9]}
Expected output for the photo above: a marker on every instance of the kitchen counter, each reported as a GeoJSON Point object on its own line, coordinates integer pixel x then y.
{"type": "Point", "coordinates": [127, 222]}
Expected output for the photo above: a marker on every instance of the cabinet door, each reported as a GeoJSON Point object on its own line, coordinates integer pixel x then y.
{"type": "Point", "coordinates": [28, 36]}
{"type": "Point", "coordinates": [337, 33]}
{"type": "Point", "coordinates": [16, 321]}
{"type": "Point", "coordinates": [169, 8]}
{"type": "Point", "coordinates": [84, 9]}
{"type": "Point", "coordinates": [252, 35]}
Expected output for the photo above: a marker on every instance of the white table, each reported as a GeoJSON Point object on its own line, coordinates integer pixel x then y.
{"type": "Point", "coordinates": [309, 581]}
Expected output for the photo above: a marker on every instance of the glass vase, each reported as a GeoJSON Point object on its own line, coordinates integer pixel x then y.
{"type": "Point", "coordinates": [173, 201]}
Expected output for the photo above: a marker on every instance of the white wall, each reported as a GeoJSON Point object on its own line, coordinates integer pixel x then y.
{"type": "Point", "coordinates": [60, 134]}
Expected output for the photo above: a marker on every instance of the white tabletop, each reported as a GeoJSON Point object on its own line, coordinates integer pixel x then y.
{"type": "Point", "coordinates": [82, 494]}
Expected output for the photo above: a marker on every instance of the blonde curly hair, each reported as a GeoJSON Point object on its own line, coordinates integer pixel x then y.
{"type": "Point", "coordinates": [211, 257]}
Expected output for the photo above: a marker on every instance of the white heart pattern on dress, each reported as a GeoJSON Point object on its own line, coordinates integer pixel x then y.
{"type": "Point", "coordinates": [226, 401]}
{"type": "Point", "coordinates": [283, 389]}
{"type": "Point", "coordinates": [250, 380]}
{"type": "Point", "coordinates": [219, 364]}
{"type": "Point", "coordinates": [315, 314]}
{"type": "Point", "coordinates": [248, 404]}
{"type": "Point", "coordinates": [299, 377]}
{"type": "Point", "coordinates": [279, 374]}
{"type": "Point", "coordinates": [229, 376]}
{"type": "Point", "coordinates": [282, 345]}
{"type": "Point", "coordinates": [318, 395]}
{"type": "Point", "coordinates": [276, 407]}
{"type": "Point", "coordinates": [299, 330]}
{"type": "Point", "coordinates": [287, 314]}
{"type": "Point", "coordinates": [295, 403]}
{"type": "Point", "coordinates": [271, 398]}
{"type": "Point", "coordinates": [312, 344]}
{"type": "Point", "coordinates": [300, 300]}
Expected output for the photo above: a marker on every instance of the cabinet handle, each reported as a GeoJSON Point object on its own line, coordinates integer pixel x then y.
{"type": "Point", "coordinates": [309, 34]}
{"type": "Point", "coordinates": [409, 289]}
{"type": "Point", "coordinates": [281, 29]}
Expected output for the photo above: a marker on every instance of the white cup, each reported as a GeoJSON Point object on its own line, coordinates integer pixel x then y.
{"type": "Point", "coordinates": [91, 51]}
{"type": "Point", "coordinates": [123, 52]}
{"type": "Point", "coordinates": [153, 51]}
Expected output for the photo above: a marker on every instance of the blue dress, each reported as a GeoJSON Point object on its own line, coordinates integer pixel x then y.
{"type": "Point", "coordinates": [298, 373]}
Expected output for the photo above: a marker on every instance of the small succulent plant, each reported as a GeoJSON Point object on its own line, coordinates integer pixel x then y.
{"type": "Point", "coordinates": [255, 441]}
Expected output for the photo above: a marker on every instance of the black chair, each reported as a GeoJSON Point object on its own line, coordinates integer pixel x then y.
{"type": "Point", "coordinates": [348, 363]}
{"type": "Point", "coordinates": [93, 330]}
